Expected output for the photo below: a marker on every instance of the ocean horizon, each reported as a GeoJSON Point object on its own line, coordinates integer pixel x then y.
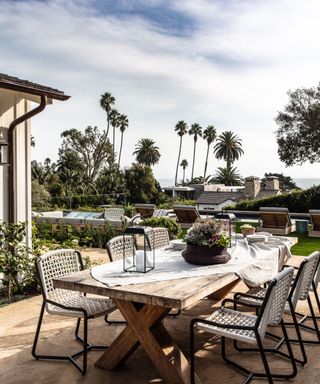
{"type": "Point", "coordinates": [303, 183]}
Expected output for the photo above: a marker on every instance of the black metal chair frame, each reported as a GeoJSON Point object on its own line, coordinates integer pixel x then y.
{"type": "Point", "coordinates": [260, 349]}
{"type": "Point", "coordinates": [297, 324]}
{"type": "Point", "coordinates": [83, 341]}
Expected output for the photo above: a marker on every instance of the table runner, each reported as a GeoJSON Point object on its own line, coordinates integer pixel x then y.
{"type": "Point", "coordinates": [255, 264]}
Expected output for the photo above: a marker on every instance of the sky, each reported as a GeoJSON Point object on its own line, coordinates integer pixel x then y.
{"type": "Point", "coordinates": [224, 63]}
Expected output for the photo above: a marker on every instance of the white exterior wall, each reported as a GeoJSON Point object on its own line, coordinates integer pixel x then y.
{"type": "Point", "coordinates": [13, 105]}
{"type": "Point", "coordinates": [214, 207]}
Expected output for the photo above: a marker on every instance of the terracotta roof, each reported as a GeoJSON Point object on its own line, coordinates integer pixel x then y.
{"type": "Point", "coordinates": [16, 84]}
{"type": "Point", "coordinates": [218, 197]}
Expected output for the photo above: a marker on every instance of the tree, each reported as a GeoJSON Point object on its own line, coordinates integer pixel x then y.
{"type": "Point", "coordinates": [146, 152]}
{"type": "Point", "coordinates": [91, 147]}
{"type": "Point", "coordinates": [227, 176]}
{"type": "Point", "coordinates": [106, 102]}
{"type": "Point", "coordinates": [184, 164]}
{"type": "Point", "coordinates": [114, 121]}
{"type": "Point", "coordinates": [209, 134]}
{"type": "Point", "coordinates": [40, 196]}
{"type": "Point", "coordinates": [70, 171]}
{"type": "Point", "coordinates": [141, 184]}
{"type": "Point", "coordinates": [299, 126]}
{"type": "Point", "coordinates": [228, 148]}
{"type": "Point", "coordinates": [196, 131]}
{"type": "Point", "coordinates": [123, 124]}
{"type": "Point", "coordinates": [286, 182]}
{"type": "Point", "coordinates": [181, 128]}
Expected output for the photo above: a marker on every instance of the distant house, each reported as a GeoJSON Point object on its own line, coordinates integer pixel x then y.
{"type": "Point", "coordinates": [216, 201]}
{"type": "Point", "coordinates": [222, 197]}
{"type": "Point", "coordinates": [16, 109]}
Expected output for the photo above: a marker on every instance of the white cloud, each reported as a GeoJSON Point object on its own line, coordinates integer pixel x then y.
{"type": "Point", "coordinates": [233, 69]}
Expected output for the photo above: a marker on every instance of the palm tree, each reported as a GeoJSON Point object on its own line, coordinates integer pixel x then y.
{"type": "Point", "coordinates": [210, 135]}
{"type": "Point", "coordinates": [146, 152]}
{"type": "Point", "coordinates": [181, 128]}
{"type": "Point", "coordinates": [227, 176]}
{"type": "Point", "coordinates": [228, 147]}
{"type": "Point", "coordinates": [123, 124]}
{"type": "Point", "coordinates": [106, 102]}
{"type": "Point", "coordinates": [114, 120]}
{"type": "Point", "coordinates": [196, 131]}
{"type": "Point", "coordinates": [184, 164]}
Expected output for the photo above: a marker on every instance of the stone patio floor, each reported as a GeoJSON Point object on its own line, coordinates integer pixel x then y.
{"type": "Point", "coordinates": [17, 327]}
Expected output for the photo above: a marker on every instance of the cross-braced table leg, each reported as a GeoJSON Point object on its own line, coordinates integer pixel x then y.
{"type": "Point", "coordinates": [145, 328]}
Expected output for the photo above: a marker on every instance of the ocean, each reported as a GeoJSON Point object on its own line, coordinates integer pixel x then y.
{"type": "Point", "coordinates": [301, 183]}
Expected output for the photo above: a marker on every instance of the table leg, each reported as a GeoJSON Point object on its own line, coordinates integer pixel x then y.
{"type": "Point", "coordinates": [145, 328]}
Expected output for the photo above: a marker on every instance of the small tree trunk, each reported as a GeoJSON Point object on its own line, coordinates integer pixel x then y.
{"type": "Point", "coordinates": [10, 288]}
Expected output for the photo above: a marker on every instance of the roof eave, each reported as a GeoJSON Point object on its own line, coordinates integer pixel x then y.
{"type": "Point", "coordinates": [33, 91]}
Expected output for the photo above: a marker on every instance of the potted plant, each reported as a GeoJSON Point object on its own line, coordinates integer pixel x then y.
{"type": "Point", "coordinates": [247, 229]}
{"type": "Point", "coordinates": [206, 243]}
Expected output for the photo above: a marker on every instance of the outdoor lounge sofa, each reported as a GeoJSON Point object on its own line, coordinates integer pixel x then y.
{"type": "Point", "coordinates": [276, 221]}
{"type": "Point", "coordinates": [315, 222]}
{"type": "Point", "coordinates": [149, 210]}
{"type": "Point", "coordinates": [186, 215]}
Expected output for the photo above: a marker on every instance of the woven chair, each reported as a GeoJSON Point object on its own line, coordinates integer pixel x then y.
{"type": "Point", "coordinates": [115, 252]}
{"type": "Point", "coordinates": [145, 210]}
{"type": "Point", "coordinates": [300, 290]}
{"type": "Point", "coordinates": [158, 237]}
{"type": "Point", "coordinates": [248, 328]}
{"type": "Point", "coordinates": [115, 247]}
{"type": "Point", "coordinates": [68, 303]}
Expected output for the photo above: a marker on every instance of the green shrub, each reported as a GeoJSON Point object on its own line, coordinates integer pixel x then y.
{"type": "Point", "coordinates": [16, 259]}
{"type": "Point", "coordinates": [69, 236]}
{"type": "Point", "coordinates": [173, 227]}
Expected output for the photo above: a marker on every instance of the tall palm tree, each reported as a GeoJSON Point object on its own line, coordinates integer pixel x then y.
{"type": "Point", "coordinates": [184, 164]}
{"type": "Point", "coordinates": [227, 176]}
{"type": "Point", "coordinates": [210, 135]}
{"type": "Point", "coordinates": [106, 103]}
{"type": "Point", "coordinates": [146, 152]}
{"type": "Point", "coordinates": [228, 147]}
{"type": "Point", "coordinates": [114, 121]}
{"type": "Point", "coordinates": [123, 124]}
{"type": "Point", "coordinates": [181, 128]}
{"type": "Point", "coordinates": [196, 131]}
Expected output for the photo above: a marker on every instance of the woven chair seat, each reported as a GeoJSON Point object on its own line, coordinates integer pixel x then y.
{"type": "Point", "coordinates": [94, 307]}
{"type": "Point", "coordinates": [225, 316]}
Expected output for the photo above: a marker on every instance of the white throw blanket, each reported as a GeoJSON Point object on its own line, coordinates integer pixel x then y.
{"type": "Point", "coordinates": [255, 264]}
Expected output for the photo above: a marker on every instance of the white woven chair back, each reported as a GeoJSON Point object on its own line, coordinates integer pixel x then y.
{"type": "Point", "coordinates": [119, 245]}
{"type": "Point", "coordinates": [113, 213]}
{"type": "Point", "coordinates": [307, 274]}
{"type": "Point", "coordinates": [158, 237]}
{"type": "Point", "coordinates": [56, 264]}
{"type": "Point", "coordinates": [276, 300]}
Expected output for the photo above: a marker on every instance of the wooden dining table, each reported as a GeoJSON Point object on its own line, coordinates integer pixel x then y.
{"type": "Point", "coordinates": [144, 306]}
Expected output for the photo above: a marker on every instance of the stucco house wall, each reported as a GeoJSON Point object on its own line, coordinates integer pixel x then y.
{"type": "Point", "coordinates": [13, 105]}
{"type": "Point", "coordinates": [214, 207]}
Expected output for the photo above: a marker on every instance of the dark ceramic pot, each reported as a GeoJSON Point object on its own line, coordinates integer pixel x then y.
{"type": "Point", "coordinates": [202, 255]}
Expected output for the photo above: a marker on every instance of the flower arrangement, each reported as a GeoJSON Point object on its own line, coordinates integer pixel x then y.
{"type": "Point", "coordinates": [207, 232]}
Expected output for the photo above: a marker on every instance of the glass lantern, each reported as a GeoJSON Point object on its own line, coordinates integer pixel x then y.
{"type": "Point", "coordinates": [142, 257]}
{"type": "Point", "coordinates": [228, 226]}
{"type": "Point", "coordinates": [4, 150]}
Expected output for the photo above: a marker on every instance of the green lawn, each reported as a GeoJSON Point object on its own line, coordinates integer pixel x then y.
{"type": "Point", "coordinates": [305, 246]}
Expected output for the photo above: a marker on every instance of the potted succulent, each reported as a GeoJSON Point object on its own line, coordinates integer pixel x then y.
{"type": "Point", "coordinates": [247, 229]}
{"type": "Point", "coordinates": [206, 243]}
